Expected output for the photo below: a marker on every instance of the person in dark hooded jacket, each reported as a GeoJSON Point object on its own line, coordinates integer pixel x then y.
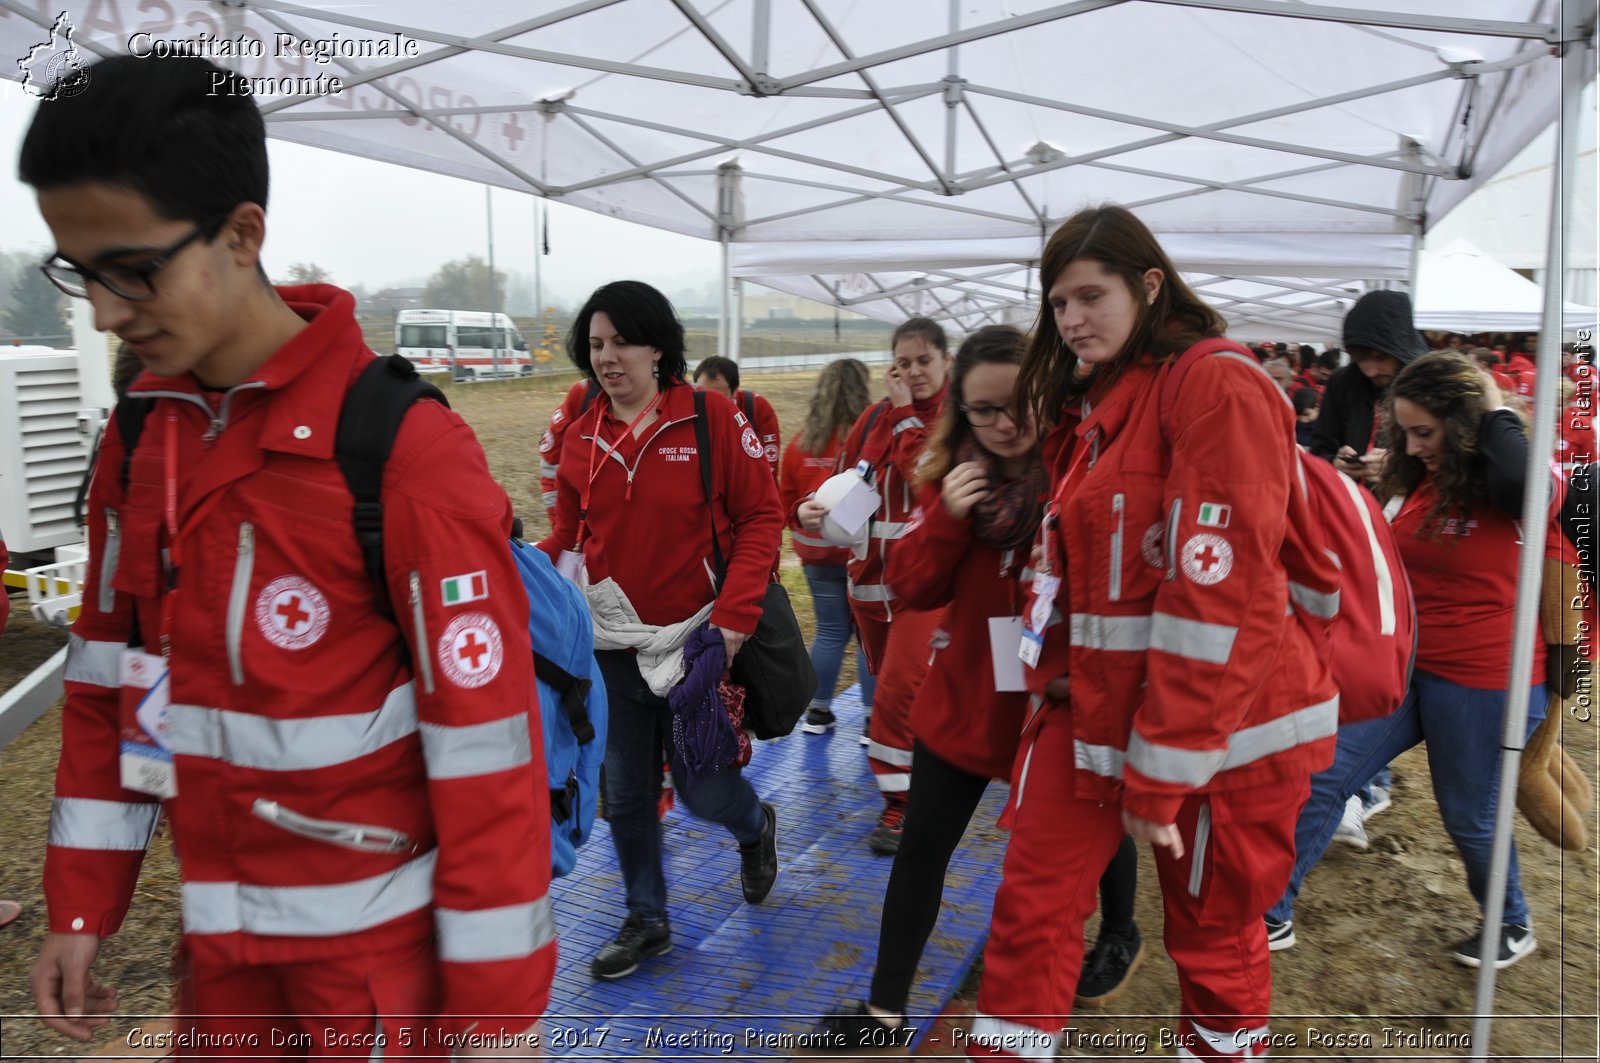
{"type": "Point", "coordinates": [1381, 340]}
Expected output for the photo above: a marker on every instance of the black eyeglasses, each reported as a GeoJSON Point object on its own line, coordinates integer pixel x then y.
{"type": "Point", "coordinates": [135, 283]}
{"type": "Point", "coordinates": [984, 416]}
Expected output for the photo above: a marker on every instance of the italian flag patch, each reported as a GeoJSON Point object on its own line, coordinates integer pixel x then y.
{"type": "Point", "coordinates": [1213, 515]}
{"type": "Point", "coordinates": [458, 590]}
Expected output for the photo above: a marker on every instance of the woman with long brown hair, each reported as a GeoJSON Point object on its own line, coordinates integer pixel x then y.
{"type": "Point", "coordinates": [1176, 697]}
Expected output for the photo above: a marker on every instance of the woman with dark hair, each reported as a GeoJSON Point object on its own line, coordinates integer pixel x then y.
{"type": "Point", "coordinates": [981, 493]}
{"type": "Point", "coordinates": [1454, 495]}
{"type": "Point", "coordinates": [633, 522]}
{"type": "Point", "coordinates": [842, 392]}
{"type": "Point", "coordinates": [889, 437]}
{"type": "Point", "coordinates": [1177, 699]}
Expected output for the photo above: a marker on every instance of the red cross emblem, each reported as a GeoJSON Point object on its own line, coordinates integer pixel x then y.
{"type": "Point", "coordinates": [292, 613]}
{"type": "Point", "coordinates": [1207, 558]}
{"type": "Point", "coordinates": [470, 650]}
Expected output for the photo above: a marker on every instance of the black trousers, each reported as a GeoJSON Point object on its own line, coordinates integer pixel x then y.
{"type": "Point", "coordinates": [942, 800]}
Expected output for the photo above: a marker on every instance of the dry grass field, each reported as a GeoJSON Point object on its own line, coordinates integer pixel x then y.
{"type": "Point", "coordinates": [1373, 926]}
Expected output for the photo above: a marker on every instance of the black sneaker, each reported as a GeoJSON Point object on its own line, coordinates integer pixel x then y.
{"type": "Point", "coordinates": [885, 837]}
{"type": "Point", "coordinates": [1280, 936]}
{"type": "Point", "coordinates": [866, 729]}
{"type": "Point", "coordinates": [819, 721]}
{"type": "Point", "coordinates": [1515, 943]}
{"type": "Point", "coordinates": [637, 940]}
{"type": "Point", "coordinates": [758, 861]}
{"type": "Point", "coordinates": [848, 1032]}
{"type": "Point", "coordinates": [1109, 966]}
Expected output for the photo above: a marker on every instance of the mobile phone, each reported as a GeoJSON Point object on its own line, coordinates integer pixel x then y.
{"type": "Point", "coordinates": [1352, 459]}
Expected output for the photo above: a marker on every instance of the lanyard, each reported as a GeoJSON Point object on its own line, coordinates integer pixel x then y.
{"type": "Point", "coordinates": [175, 535]}
{"type": "Point", "coordinates": [595, 467]}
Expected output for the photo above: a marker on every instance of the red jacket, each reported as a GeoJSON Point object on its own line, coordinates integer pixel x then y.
{"type": "Point", "coordinates": [892, 448]}
{"type": "Point", "coordinates": [5, 597]}
{"type": "Point", "coordinates": [958, 714]}
{"type": "Point", "coordinates": [760, 412]}
{"type": "Point", "coordinates": [1188, 673]}
{"type": "Point", "coordinates": [802, 474]}
{"type": "Point", "coordinates": [298, 707]}
{"type": "Point", "coordinates": [581, 393]}
{"type": "Point", "coordinates": [648, 525]}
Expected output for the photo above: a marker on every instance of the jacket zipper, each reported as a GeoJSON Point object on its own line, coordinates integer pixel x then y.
{"type": "Point", "coordinates": [361, 837]}
{"type": "Point", "coordinates": [1022, 776]}
{"type": "Point", "coordinates": [1202, 842]}
{"type": "Point", "coordinates": [108, 561]}
{"type": "Point", "coordinates": [1119, 504]}
{"type": "Point", "coordinates": [238, 598]}
{"type": "Point", "coordinates": [418, 621]}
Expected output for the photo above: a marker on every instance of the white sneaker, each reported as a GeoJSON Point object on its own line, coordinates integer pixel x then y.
{"type": "Point", "coordinates": [1377, 802]}
{"type": "Point", "coordinates": [1350, 830]}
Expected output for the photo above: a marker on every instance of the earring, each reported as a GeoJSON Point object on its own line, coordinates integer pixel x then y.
{"type": "Point", "coordinates": [655, 370]}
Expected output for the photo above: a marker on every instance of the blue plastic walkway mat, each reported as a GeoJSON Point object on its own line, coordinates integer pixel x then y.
{"type": "Point", "coordinates": [750, 981]}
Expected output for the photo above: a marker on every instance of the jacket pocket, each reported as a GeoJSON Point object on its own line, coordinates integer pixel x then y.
{"type": "Point", "coordinates": [361, 837]}
{"type": "Point", "coordinates": [132, 558]}
{"type": "Point", "coordinates": [1119, 521]}
{"type": "Point", "coordinates": [419, 621]}
{"type": "Point", "coordinates": [109, 554]}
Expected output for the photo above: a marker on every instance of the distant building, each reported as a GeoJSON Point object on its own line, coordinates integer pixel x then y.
{"type": "Point", "coordinates": [391, 301]}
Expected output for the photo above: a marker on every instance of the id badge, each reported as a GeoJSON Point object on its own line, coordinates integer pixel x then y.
{"type": "Point", "coordinates": [145, 760]}
{"type": "Point", "coordinates": [1030, 647]}
{"type": "Point", "coordinates": [1004, 631]}
{"type": "Point", "coordinates": [570, 564]}
{"type": "Point", "coordinates": [1045, 589]}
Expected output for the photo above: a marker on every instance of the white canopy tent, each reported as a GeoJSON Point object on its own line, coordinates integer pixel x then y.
{"type": "Point", "coordinates": [1461, 289]}
{"type": "Point", "coordinates": [1248, 126]}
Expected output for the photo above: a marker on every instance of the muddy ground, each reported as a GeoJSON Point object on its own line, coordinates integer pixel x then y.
{"type": "Point", "coordinates": [1371, 967]}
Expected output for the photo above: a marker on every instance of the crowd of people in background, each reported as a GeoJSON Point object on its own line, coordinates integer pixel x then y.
{"type": "Point", "coordinates": [1079, 581]}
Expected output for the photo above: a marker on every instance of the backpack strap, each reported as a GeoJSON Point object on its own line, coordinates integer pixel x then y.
{"type": "Point", "coordinates": [866, 432]}
{"type": "Point", "coordinates": [702, 442]}
{"type": "Point", "coordinates": [747, 401]}
{"type": "Point", "coordinates": [131, 411]}
{"type": "Point", "coordinates": [574, 695]}
{"type": "Point", "coordinates": [590, 393]}
{"type": "Point", "coordinates": [1180, 369]}
{"type": "Point", "coordinates": [369, 421]}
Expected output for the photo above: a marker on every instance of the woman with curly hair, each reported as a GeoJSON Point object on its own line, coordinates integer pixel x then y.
{"type": "Point", "coordinates": [1453, 495]}
{"type": "Point", "coordinates": [842, 392]}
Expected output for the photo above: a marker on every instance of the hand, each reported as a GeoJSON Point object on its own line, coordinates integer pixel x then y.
{"type": "Point", "coordinates": [1372, 464]}
{"type": "Point", "coordinates": [731, 641]}
{"type": "Point", "coordinates": [899, 390]}
{"type": "Point", "coordinates": [1564, 666]}
{"type": "Point", "coordinates": [1057, 689]}
{"type": "Point", "coordinates": [1493, 397]}
{"type": "Point", "coordinates": [1348, 461]}
{"type": "Point", "coordinates": [68, 999]}
{"type": "Point", "coordinates": [811, 513]}
{"type": "Point", "coordinates": [529, 1044]}
{"type": "Point", "coordinates": [964, 487]}
{"type": "Point", "coordinates": [1160, 835]}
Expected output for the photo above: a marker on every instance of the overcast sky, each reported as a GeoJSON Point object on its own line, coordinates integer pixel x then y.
{"type": "Point", "coordinates": [382, 225]}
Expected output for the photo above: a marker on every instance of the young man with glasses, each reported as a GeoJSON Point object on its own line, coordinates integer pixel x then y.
{"type": "Point", "coordinates": [347, 769]}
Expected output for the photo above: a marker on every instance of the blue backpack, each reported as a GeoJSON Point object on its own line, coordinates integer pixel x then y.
{"type": "Point", "coordinates": [572, 695]}
{"type": "Point", "coordinates": [572, 700]}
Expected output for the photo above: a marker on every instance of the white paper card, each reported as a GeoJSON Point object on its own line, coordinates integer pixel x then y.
{"type": "Point", "coordinates": [570, 564]}
{"type": "Point", "coordinates": [1005, 633]}
{"type": "Point", "coordinates": [852, 512]}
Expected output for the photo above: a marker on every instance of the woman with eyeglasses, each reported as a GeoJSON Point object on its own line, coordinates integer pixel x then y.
{"type": "Point", "coordinates": [981, 493]}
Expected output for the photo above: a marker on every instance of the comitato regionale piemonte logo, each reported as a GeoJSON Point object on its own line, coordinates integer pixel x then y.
{"type": "Point", "coordinates": [54, 69]}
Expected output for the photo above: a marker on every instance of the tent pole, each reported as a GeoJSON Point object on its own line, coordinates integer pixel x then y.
{"type": "Point", "coordinates": [1535, 515]}
{"type": "Point", "coordinates": [736, 319]}
{"type": "Point", "coordinates": [722, 298]}
{"type": "Point", "coordinates": [1413, 200]}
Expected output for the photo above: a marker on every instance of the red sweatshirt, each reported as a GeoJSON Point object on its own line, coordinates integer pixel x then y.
{"type": "Point", "coordinates": [802, 474]}
{"type": "Point", "coordinates": [958, 714]}
{"type": "Point", "coordinates": [648, 526]}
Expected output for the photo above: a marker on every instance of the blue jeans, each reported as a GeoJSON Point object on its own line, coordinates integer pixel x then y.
{"type": "Point", "coordinates": [831, 603]}
{"type": "Point", "coordinates": [1462, 727]}
{"type": "Point", "coordinates": [636, 733]}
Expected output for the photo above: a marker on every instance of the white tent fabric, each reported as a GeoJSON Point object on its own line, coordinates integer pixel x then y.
{"type": "Point", "coordinates": [778, 120]}
{"type": "Point", "coordinates": [1461, 289]}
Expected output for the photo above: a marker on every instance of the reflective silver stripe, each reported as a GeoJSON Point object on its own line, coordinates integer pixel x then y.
{"type": "Point", "coordinates": [1022, 776]}
{"type": "Point", "coordinates": [477, 749]}
{"type": "Point", "coordinates": [1193, 767]}
{"type": "Point", "coordinates": [108, 562]}
{"type": "Point", "coordinates": [872, 592]}
{"type": "Point", "coordinates": [302, 744]}
{"type": "Point", "coordinates": [1023, 1042]}
{"type": "Point", "coordinates": [423, 660]}
{"type": "Point", "coordinates": [1194, 639]}
{"type": "Point", "coordinates": [889, 529]}
{"type": "Point", "coordinates": [1118, 507]}
{"type": "Point", "coordinates": [1202, 839]}
{"type": "Point", "coordinates": [1123, 634]}
{"type": "Point", "coordinates": [908, 422]}
{"type": "Point", "coordinates": [308, 911]}
{"type": "Point", "coordinates": [87, 823]}
{"type": "Point", "coordinates": [96, 663]}
{"type": "Point", "coordinates": [1380, 563]}
{"type": "Point", "coordinates": [1104, 761]}
{"type": "Point", "coordinates": [1319, 604]}
{"type": "Point", "coordinates": [810, 540]}
{"type": "Point", "coordinates": [549, 499]}
{"type": "Point", "coordinates": [894, 784]}
{"type": "Point", "coordinates": [900, 758]}
{"type": "Point", "coordinates": [1173, 516]}
{"type": "Point", "coordinates": [547, 470]}
{"type": "Point", "coordinates": [508, 933]}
